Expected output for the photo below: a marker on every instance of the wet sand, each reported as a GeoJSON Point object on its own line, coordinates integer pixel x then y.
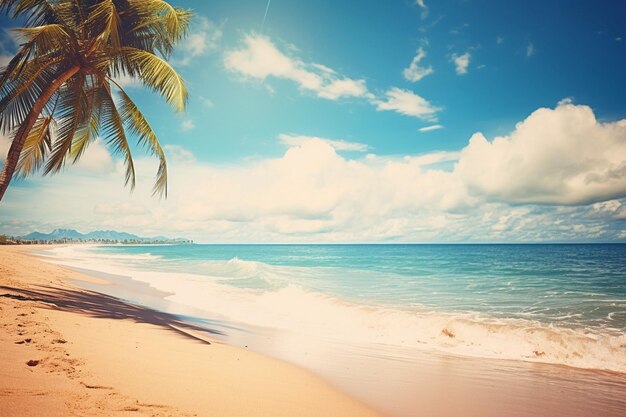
{"type": "Point", "coordinates": [398, 383]}
{"type": "Point", "coordinates": [66, 351]}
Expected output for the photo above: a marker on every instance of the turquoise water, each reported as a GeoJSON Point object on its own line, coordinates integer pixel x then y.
{"type": "Point", "coordinates": [563, 304]}
{"type": "Point", "coordinates": [568, 284]}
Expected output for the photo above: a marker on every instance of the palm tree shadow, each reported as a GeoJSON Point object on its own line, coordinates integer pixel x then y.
{"type": "Point", "coordinates": [98, 305]}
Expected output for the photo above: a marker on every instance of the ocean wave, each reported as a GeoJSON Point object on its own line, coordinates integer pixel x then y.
{"type": "Point", "coordinates": [313, 314]}
{"type": "Point", "coordinates": [310, 314]}
{"type": "Point", "coordinates": [90, 253]}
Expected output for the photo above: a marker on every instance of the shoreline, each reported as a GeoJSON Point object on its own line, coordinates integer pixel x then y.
{"type": "Point", "coordinates": [69, 351]}
{"type": "Point", "coordinates": [399, 383]}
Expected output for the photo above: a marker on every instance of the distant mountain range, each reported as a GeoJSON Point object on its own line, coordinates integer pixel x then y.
{"type": "Point", "coordinates": [59, 234]}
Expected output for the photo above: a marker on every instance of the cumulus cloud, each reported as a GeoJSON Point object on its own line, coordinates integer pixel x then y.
{"type": "Point", "coordinates": [310, 190]}
{"type": "Point", "coordinates": [434, 158]}
{"type": "Point", "coordinates": [555, 156]}
{"type": "Point", "coordinates": [560, 175]}
{"type": "Point", "coordinates": [203, 38]}
{"type": "Point", "coordinates": [461, 62]}
{"type": "Point", "coordinates": [616, 209]}
{"type": "Point", "coordinates": [338, 145]}
{"type": "Point", "coordinates": [408, 103]}
{"type": "Point", "coordinates": [96, 158]}
{"type": "Point", "coordinates": [415, 72]}
{"type": "Point", "coordinates": [530, 50]}
{"type": "Point", "coordinates": [259, 59]}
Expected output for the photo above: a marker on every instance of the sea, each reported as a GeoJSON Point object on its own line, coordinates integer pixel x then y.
{"type": "Point", "coordinates": [558, 304]}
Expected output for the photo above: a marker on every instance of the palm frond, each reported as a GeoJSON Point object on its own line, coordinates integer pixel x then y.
{"type": "Point", "coordinates": [138, 125]}
{"type": "Point", "coordinates": [38, 143]}
{"type": "Point", "coordinates": [112, 128]}
{"type": "Point", "coordinates": [84, 138]}
{"type": "Point", "coordinates": [73, 107]}
{"type": "Point", "coordinates": [56, 92]}
{"type": "Point", "coordinates": [104, 22]}
{"type": "Point", "coordinates": [20, 94]}
{"type": "Point", "coordinates": [49, 39]}
{"type": "Point", "coordinates": [164, 24]}
{"type": "Point", "coordinates": [35, 12]}
{"type": "Point", "coordinates": [155, 73]}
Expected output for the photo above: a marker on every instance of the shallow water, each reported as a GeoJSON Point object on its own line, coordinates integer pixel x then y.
{"type": "Point", "coordinates": [434, 327]}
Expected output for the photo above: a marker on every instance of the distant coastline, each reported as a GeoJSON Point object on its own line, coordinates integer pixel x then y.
{"type": "Point", "coordinates": [103, 237]}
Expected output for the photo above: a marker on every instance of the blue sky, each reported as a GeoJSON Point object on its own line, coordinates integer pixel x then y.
{"type": "Point", "coordinates": [575, 54]}
{"type": "Point", "coordinates": [390, 90]}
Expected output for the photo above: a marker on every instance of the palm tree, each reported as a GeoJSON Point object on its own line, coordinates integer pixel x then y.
{"type": "Point", "coordinates": [59, 93]}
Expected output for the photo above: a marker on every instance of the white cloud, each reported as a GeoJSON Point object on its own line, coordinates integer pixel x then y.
{"type": "Point", "coordinates": [123, 209]}
{"type": "Point", "coordinates": [461, 62]}
{"type": "Point", "coordinates": [499, 40]}
{"type": "Point", "coordinates": [260, 59]}
{"type": "Point", "coordinates": [178, 153]}
{"type": "Point", "coordinates": [5, 144]}
{"type": "Point", "coordinates": [415, 72]}
{"type": "Point", "coordinates": [555, 156]}
{"type": "Point", "coordinates": [206, 102]}
{"type": "Point", "coordinates": [187, 125]}
{"type": "Point", "coordinates": [309, 190]}
{"type": "Point", "coordinates": [430, 128]}
{"type": "Point", "coordinates": [530, 49]}
{"type": "Point", "coordinates": [126, 81]}
{"type": "Point", "coordinates": [434, 158]}
{"type": "Point", "coordinates": [422, 5]}
{"type": "Point", "coordinates": [408, 103]}
{"type": "Point", "coordinates": [203, 38]}
{"type": "Point", "coordinates": [96, 158]}
{"type": "Point", "coordinates": [614, 208]}
{"type": "Point", "coordinates": [338, 145]}
{"type": "Point", "coordinates": [345, 87]}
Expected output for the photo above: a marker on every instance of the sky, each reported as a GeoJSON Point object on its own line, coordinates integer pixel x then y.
{"type": "Point", "coordinates": [370, 121]}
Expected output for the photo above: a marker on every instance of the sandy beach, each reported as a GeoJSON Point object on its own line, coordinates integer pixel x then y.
{"type": "Point", "coordinates": [70, 345]}
{"type": "Point", "coordinates": [65, 351]}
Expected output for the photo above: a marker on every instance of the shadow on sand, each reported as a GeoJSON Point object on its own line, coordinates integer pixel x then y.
{"type": "Point", "coordinates": [95, 304]}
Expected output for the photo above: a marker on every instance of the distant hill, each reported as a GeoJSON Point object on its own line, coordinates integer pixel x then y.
{"type": "Point", "coordinates": [109, 235]}
{"type": "Point", "coordinates": [55, 234]}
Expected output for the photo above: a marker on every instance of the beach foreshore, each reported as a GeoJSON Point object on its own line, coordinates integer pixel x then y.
{"type": "Point", "coordinates": [66, 351]}
{"type": "Point", "coordinates": [71, 346]}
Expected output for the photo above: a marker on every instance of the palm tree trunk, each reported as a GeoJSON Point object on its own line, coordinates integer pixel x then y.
{"type": "Point", "coordinates": [22, 132]}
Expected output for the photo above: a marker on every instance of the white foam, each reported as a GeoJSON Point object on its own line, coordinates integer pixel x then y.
{"type": "Point", "coordinates": [312, 314]}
